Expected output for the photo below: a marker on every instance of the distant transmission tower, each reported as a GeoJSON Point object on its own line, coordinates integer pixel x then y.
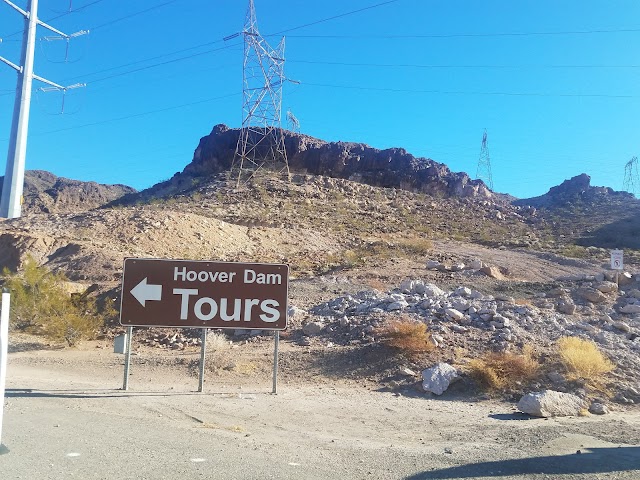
{"type": "Point", "coordinates": [484, 163]}
{"type": "Point", "coordinates": [261, 140]}
{"type": "Point", "coordinates": [293, 122]}
{"type": "Point", "coordinates": [631, 179]}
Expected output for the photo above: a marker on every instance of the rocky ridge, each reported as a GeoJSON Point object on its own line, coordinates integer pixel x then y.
{"type": "Point", "coordinates": [44, 192]}
{"type": "Point", "coordinates": [390, 168]}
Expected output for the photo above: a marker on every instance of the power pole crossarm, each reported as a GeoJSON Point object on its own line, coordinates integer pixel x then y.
{"type": "Point", "coordinates": [18, 68]}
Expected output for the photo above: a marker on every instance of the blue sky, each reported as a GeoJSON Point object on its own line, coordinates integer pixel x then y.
{"type": "Point", "coordinates": [556, 84]}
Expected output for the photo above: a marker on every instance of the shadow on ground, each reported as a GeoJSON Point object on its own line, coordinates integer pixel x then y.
{"type": "Point", "coordinates": [591, 461]}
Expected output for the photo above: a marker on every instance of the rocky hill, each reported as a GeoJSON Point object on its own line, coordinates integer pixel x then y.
{"type": "Point", "coordinates": [44, 192]}
{"type": "Point", "coordinates": [390, 168]}
{"type": "Point", "coordinates": [589, 216]}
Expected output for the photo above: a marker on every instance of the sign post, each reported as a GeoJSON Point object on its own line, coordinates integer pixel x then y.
{"type": "Point", "coordinates": [276, 343]}
{"type": "Point", "coordinates": [127, 359]}
{"type": "Point", "coordinates": [203, 353]}
{"type": "Point", "coordinates": [202, 294]}
{"type": "Point", "coordinates": [617, 263]}
{"type": "Point", "coordinates": [4, 352]}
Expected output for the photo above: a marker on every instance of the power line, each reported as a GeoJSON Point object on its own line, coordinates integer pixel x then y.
{"type": "Point", "coordinates": [334, 17]}
{"type": "Point", "coordinates": [60, 16]}
{"type": "Point", "coordinates": [453, 92]}
{"type": "Point", "coordinates": [472, 35]}
{"type": "Point", "coordinates": [155, 7]}
{"type": "Point", "coordinates": [413, 65]}
{"type": "Point", "coordinates": [135, 115]}
{"type": "Point", "coordinates": [167, 62]}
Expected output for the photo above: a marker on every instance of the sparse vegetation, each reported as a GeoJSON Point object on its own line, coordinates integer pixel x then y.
{"type": "Point", "coordinates": [41, 305]}
{"type": "Point", "coordinates": [505, 371]}
{"type": "Point", "coordinates": [406, 335]}
{"type": "Point", "coordinates": [583, 360]}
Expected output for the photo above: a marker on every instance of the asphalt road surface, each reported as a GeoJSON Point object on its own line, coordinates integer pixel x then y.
{"type": "Point", "coordinates": [62, 424]}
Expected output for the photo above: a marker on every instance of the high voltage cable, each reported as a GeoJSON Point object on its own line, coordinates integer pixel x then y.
{"type": "Point", "coordinates": [453, 92]}
{"type": "Point", "coordinates": [412, 65]}
{"type": "Point", "coordinates": [147, 67]}
{"type": "Point", "coordinates": [353, 12]}
{"type": "Point", "coordinates": [135, 115]}
{"type": "Point", "coordinates": [334, 17]}
{"type": "Point", "coordinates": [60, 16]}
{"type": "Point", "coordinates": [150, 58]}
{"type": "Point", "coordinates": [471, 35]}
{"type": "Point", "coordinates": [111, 22]}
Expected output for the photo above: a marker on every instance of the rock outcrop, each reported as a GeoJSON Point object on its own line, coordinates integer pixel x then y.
{"type": "Point", "coordinates": [570, 191]}
{"type": "Point", "coordinates": [46, 193]}
{"type": "Point", "coordinates": [393, 167]}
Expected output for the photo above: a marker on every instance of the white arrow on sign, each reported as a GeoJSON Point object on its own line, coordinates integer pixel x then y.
{"type": "Point", "coordinates": [144, 291]}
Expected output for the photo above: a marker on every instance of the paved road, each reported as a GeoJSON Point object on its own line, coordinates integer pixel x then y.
{"type": "Point", "coordinates": [60, 427]}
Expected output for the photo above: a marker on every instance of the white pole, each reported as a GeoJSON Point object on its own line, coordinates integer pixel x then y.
{"type": "Point", "coordinates": [10, 202]}
{"type": "Point", "coordinates": [4, 351]}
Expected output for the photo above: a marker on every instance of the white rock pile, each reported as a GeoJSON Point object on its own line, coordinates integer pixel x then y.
{"type": "Point", "coordinates": [589, 307]}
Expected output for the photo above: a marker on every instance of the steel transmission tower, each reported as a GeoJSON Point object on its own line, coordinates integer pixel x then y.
{"type": "Point", "coordinates": [261, 140]}
{"type": "Point", "coordinates": [10, 202]}
{"type": "Point", "coordinates": [631, 179]}
{"type": "Point", "coordinates": [484, 163]}
{"type": "Point", "coordinates": [293, 122]}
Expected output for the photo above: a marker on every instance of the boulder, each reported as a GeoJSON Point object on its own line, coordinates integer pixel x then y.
{"type": "Point", "coordinates": [438, 378]}
{"type": "Point", "coordinates": [493, 272]}
{"type": "Point", "coordinates": [313, 328]}
{"type": "Point", "coordinates": [625, 279]}
{"type": "Point", "coordinates": [607, 287]}
{"type": "Point", "coordinates": [598, 408]}
{"type": "Point", "coordinates": [550, 403]}
{"type": "Point", "coordinates": [630, 308]}
{"type": "Point", "coordinates": [591, 295]}
{"type": "Point", "coordinates": [432, 264]}
{"type": "Point", "coordinates": [566, 306]}
{"type": "Point", "coordinates": [453, 314]}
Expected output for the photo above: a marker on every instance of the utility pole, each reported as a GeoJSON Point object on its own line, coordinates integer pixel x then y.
{"type": "Point", "coordinates": [261, 139]}
{"type": "Point", "coordinates": [11, 200]}
{"type": "Point", "coordinates": [631, 179]}
{"type": "Point", "coordinates": [484, 163]}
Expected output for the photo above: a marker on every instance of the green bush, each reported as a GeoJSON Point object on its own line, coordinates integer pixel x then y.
{"type": "Point", "coordinates": [41, 305]}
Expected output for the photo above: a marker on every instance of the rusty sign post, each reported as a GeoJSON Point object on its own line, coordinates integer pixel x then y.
{"type": "Point", "coordinates": [202, 294]}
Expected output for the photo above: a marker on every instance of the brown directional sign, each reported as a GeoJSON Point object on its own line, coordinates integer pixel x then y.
{"type": "Point", "coordinates": [185, 293]}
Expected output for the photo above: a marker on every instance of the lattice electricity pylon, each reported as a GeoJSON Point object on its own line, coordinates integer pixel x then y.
{"type": "Point", "coordinates": [261, 140]}
{"type": "Point", "coordinates": [631, 179]}
{"type": "Point", "coordinates": [484, 163]}
{"type": "Point", "coordinates": [293, 122]}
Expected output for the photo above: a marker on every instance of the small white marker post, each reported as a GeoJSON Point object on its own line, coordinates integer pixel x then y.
{"type": "Point", "coordinates": [4, 352]}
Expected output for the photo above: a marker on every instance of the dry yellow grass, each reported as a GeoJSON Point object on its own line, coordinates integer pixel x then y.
{"type": "Point", "coordinates": [582, 360]}
{"type": "Point", "coordinates": [504, 371]}
{"type": "Point", "coordinates": [407, 335]}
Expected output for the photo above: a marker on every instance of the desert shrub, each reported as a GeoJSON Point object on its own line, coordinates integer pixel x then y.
{"type": "Point", "coordinates": [41, 305]}
{"type": "Point", "coordinates": [504, 371]}
{"type": "Point", "coordinates": [416, 246]}
{"type": "Point", "coordinates": [406, 335]}
{"type": "Point", "coordinates": [583, 360]}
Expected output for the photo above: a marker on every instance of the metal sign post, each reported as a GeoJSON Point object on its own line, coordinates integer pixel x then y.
{"type": "Point", "coordinates": [127, 359]}
{"type": "Point", "coordinates": [276, 343]}
{"type": "Point", "coordinates": [4, 352]}
{"type": "Point", "coordinates": [203, 353]}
